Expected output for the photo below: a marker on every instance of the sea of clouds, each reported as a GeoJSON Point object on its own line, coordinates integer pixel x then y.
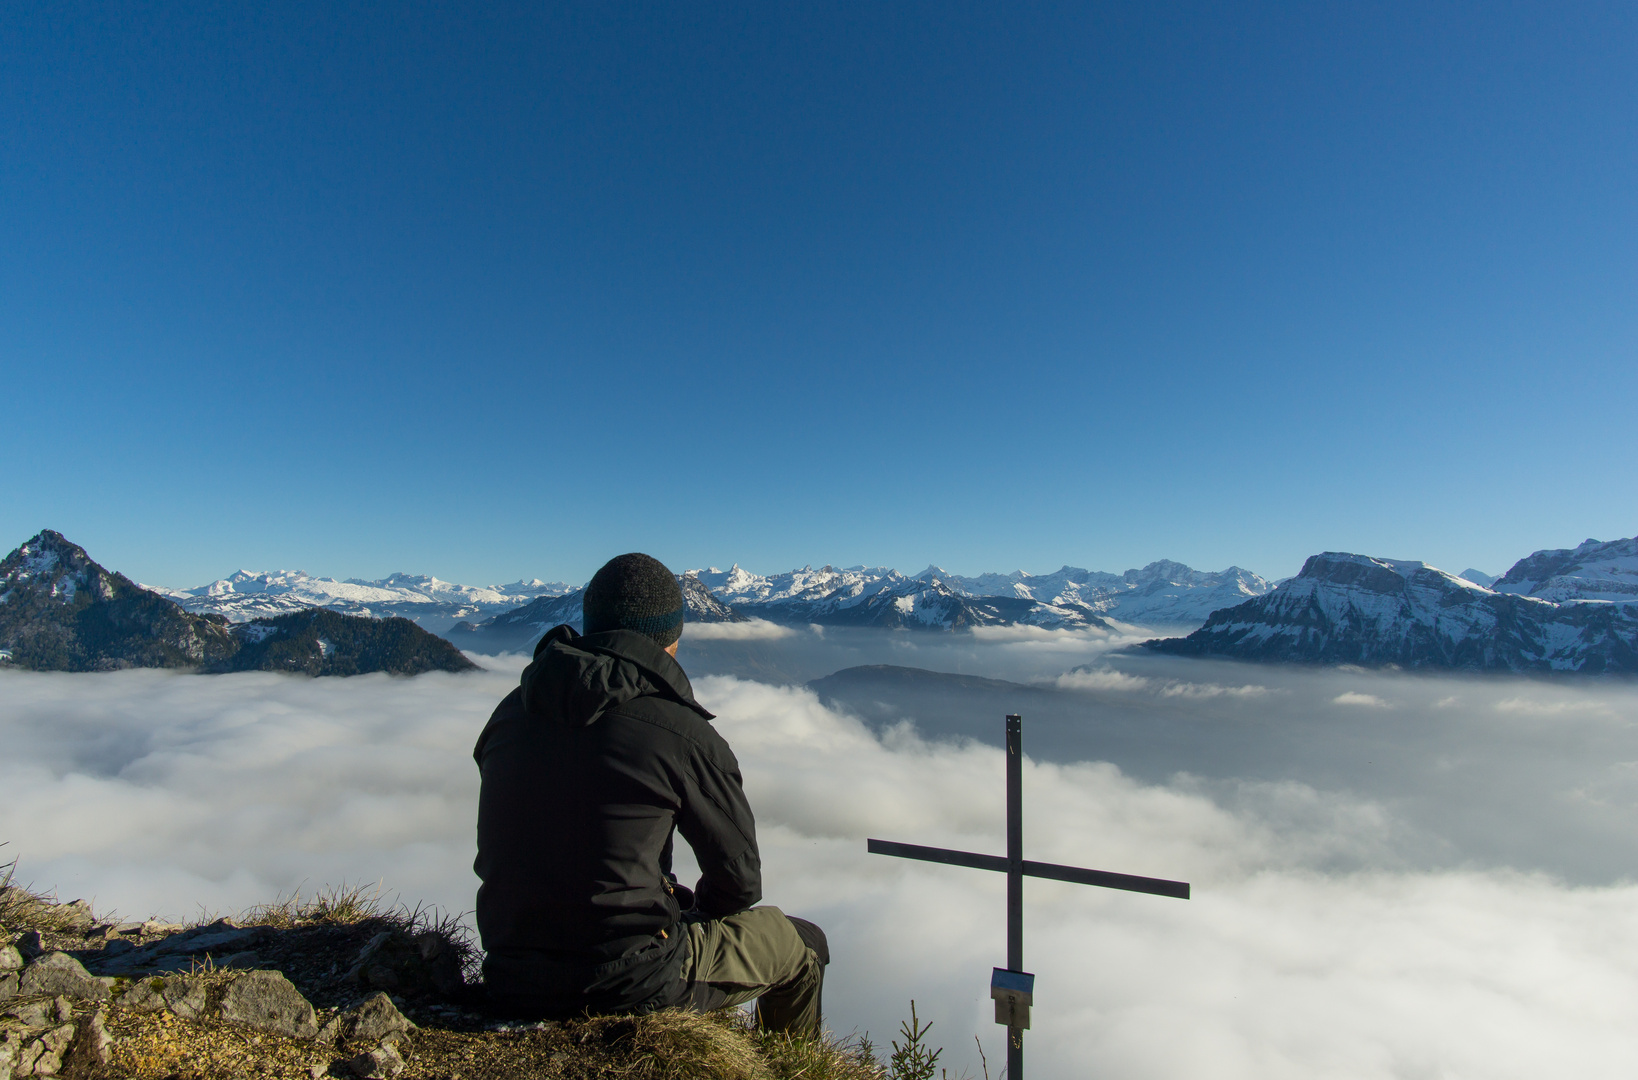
{"type": "Point", "coordinates": [1349, 919]}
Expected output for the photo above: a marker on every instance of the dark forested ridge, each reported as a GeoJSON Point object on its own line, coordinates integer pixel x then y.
{"type": "Point", "coordinates": [61, 611]}
{"type": "Point", "coordinates": [319, 642]}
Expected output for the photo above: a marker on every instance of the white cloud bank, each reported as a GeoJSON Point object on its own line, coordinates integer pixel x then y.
{"type": "Point", "coordinates": [749, 630]}
{"type": "Point", "coordinates": [1109, 678]}
{"type": "Point", "coordinates": [155, 792]}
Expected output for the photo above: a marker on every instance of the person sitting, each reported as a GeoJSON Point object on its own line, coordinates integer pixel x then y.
{"type": "Point", "coordinates": [589, 770]}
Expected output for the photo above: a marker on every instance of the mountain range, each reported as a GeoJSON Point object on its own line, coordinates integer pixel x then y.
{"type": "Point", "coordinates": [1161, 594]}
{"type": "Point", "coordinates": [61, 611]}
{"type": "Point", "coordinates": [430, 603]}
{"type": "Point", "coordinates": [1570, 609]}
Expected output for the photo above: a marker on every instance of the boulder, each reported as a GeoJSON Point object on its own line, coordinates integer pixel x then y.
{"type": "Point", "coordinates": [375, 1019]}
{"type": "Point", "coordinates": [266, 1000]}
{"type": "Point", "coordinates": [44, 1056]}
{"type": "Point", "coordinates": [379, 1064]}
{"type": "Point", "coordinates": [8, 986]}
{"type": "Point", "coordinates": [420, 966]}
{"type": "Point", "coordinates": [144, 995]}
{"type": "Point", "coordinates": [185, 996]}
{"type": "Point", "coordinates": [59, 973]}
{"type": "Point", "coordinates": [221, 937]}
{"type": "Point", "coordinates": [28, 1055]}
{"type": "Point", "coordinates": [35, 1014]}
{"type": "Point", "coordinates": [10, 958]}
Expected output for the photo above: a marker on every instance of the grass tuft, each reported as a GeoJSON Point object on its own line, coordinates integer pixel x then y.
{"type": "Point", "coordinates": [337, 905]}
{"type": "Point", "coordinates": [22, 908]}
{"type": "Point", "coordinates": [357, 905]}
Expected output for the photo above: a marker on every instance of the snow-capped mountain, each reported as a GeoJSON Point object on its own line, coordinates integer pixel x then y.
{"type": "Point", "coordinates": [519, 629]}
{"type": "Point", "coordinates": [1345, 608]}
{"type": "Point", "coordinates": [1597, 570]}
{"type": "Point", "coordinates": [1161, 594]}
{"type": "Point", "coordinates": [879, 596]}
{"type": "Point", "coordinates": [433, 604]}
{"type": "Point", "coordinates": [1164, 593]}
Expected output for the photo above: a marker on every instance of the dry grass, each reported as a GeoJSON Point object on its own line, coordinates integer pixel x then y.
{"type": "Point", "coordinates": [21, 908]}
{"type": "Point", "coordinates": [829, 1058]}
{"type": "Point", "coordinates": [669, 1045]}
{"type": "Point", "coordinates": [339, 905]}
{"type": "Point", "coordinates": [354, 905]}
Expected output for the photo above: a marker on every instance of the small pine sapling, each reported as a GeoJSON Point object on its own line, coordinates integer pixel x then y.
{"type": "Point", "coordinates": [912, 1060]}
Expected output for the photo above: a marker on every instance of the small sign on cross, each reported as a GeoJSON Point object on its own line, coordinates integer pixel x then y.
{"type": "Point", "coordinates": [1012, 987]}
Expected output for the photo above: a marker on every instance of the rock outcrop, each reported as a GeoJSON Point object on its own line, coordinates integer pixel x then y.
{"type": "Point", "coordinates": [89, 999]}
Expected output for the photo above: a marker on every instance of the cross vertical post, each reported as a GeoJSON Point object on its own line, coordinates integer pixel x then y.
{"type": "Point", "coordinates": [1015, 879]}
{"type": "Point", "coordinates": [1013, 988]}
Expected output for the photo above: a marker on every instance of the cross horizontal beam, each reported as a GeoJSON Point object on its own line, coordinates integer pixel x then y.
{"type": "Point", "coordinates": [1101, 878]}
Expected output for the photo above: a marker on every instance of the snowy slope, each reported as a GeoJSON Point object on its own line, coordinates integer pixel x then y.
{"type": "Point", "coordinates": [1161, 594]}
{"type": "Point", "coordinates": [434, 604]}
{"type": "Point", "coordinates": [1597, 570]}
{"type": "Point", "coordinates": [1346, 608]}
{"type": "Point", "coordinates": [519, 629]}
{"type": "Point", "coordinates": [1164, 593]}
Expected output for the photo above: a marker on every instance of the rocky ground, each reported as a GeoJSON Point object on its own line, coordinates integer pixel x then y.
{"type": "Point", "coordinates": [334, 987]}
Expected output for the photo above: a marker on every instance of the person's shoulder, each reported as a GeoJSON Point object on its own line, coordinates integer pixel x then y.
{"type": "Point", "coordinates": [678, 721]}
{"type": "Point", "coordinates": [510, 705]}
{"type": "Point", "coordinates": [506, 714]}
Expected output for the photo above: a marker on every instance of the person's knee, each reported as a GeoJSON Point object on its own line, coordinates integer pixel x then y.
{"type": "Point", "coordinates": [812, 937]}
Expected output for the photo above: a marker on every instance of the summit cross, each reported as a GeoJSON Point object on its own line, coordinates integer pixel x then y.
{"type": "Point", "coordinates": [1012, 987]}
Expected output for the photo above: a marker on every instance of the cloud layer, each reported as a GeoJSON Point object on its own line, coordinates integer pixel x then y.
{"type": "Point", "coordinates": [1312, 947]}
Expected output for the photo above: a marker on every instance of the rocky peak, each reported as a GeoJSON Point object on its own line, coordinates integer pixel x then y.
{"type": "Point", "coordinates": [51, 565]}
{"type": "Point", "coordinates": [1594, 570]}
{"type": "Point", "coordinates": [702, 606]}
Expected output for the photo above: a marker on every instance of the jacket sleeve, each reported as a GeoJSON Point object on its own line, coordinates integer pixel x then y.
{"type": "Point", "coordinates": [716, 821]}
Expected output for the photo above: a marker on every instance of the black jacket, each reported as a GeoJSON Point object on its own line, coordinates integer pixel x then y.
{"type": "Point", "coordinates": [588, 768]}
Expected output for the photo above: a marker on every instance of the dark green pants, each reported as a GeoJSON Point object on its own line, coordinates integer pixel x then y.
{"type": "Point", "coordinates": [757, 954]}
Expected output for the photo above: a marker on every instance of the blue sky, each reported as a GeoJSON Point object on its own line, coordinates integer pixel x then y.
{"type": "Point", "coordinates": [364, 288]}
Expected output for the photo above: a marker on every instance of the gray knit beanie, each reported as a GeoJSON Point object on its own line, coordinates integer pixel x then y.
{"type": "Point", "coordinates": [634, 592]}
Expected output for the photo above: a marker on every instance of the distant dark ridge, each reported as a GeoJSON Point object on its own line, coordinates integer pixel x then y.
{"type": "Point", "coordinates": [320, 642]}
{"type": "Point", "coordinates": [910, 678]}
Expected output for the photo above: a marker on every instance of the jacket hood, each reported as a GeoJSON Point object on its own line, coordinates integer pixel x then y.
{"type": "Point", "coordinates": [576, 678]}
